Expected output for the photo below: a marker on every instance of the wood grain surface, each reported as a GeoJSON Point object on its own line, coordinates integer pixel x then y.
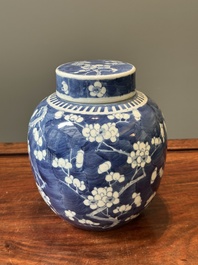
{"type": "Point", "coordinates": [166, 233]}
{"type": "Point", "coordinates": [13, 148]}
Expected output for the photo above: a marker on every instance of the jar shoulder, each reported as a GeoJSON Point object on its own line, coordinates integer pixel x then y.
{"type": "Point", "coordinates": [138, 101]}
{"type": "Point", "coordinates": [143, 121]}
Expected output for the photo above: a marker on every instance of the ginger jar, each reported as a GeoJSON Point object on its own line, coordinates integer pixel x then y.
{"type": "Point", "coordinates": [97, 145]}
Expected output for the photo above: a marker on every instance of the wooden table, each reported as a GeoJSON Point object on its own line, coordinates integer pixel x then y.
{"type": "Point", "coordinates": [165, 233]}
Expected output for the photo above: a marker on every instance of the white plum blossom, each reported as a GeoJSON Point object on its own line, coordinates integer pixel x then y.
{"type": "Point", "coordinates": [70, 214]}
{"type": "Point", "coordinates": [101, 66]}
{"type": "Point", "coordinates": [137, 199]}
{"type": "Point", "coordinates": [61, 162]}
{"type": "Point", "coordinates": [86, 67]}
{"type": "Point", "coordinates": [59, 114]}
{"type": "Point", "coordinates": [65, 87]}
{"type": "Point", "coordinates": [37, 137]}
{"type": "Point", "coordinates": [87, 222]}
{"type": "Point", "coordinates": [69, 179]}
{"type": "Point", "coordinates": [36, 134]}
{"type": "Point", "coordinates": [114, 176]}
{"type": "Point", "coordinates": [96, 68]}
{"type": "Point", "coordinates": [74, 118]}
{"type": "Point", "coordinates": [140, 156]}
{"type": "Point", "coordinates": [40, 154]}
{"type": "Point", "coordinates": [97, 90]}
{"type": "Point", "coordinates": [113, 62]}
{"type": "Point", "coordinates": [161, 171]}
{"type": "Point", "coordinates": [119, 116]}
{"type": "Point", "coordinates": [79, 184]}
{"type": "Point", "coordinates": [136, 114]}
{"type": "Point", "coordinates": [79, 158]}
{"type": "Point", "coordinates": [75, 182]}
{"type": "Point", "coordinates": [104, 167]}
{"type": "Point", "coordinates": [99, 133]}
{"type": "Point", "coordinates": [43, 195]}
{"type": "Point", "coordinates": [102, 197]}
{"type": "Point", "coordinates": [162, 132]}
{"type": "Point", "coordinates": [122, 208]}
{"type": "Point", "coordinates": [28, 146]}
{"type": "Point", "coordinates": [165, 128]}
{"type": "Point", "coordinates": [153, 176]}
{"type": "Point", "coordinates": [156, 141]}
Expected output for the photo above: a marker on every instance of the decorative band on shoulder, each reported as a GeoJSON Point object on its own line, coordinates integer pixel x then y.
{"type": "Point", "coordinates": [136, 102]}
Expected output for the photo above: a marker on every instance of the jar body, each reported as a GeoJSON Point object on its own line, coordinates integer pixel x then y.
{"type": "Point", "coordinates": [97, 165]}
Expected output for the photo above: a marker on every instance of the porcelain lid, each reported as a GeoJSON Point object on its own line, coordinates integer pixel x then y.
{"type": "Point", "coordinates": [99, 81]}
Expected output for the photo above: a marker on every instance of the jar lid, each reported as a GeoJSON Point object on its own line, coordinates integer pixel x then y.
{"type": "Point", "coordinates": [99, 81]}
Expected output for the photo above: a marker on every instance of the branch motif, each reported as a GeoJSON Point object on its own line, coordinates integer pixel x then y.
{"type": "Point", "coordinates": [104, 203]}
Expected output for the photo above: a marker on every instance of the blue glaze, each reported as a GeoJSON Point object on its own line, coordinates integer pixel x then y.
{"type": "Point", "coordinates": [98, 165]}
{"type": "Point", "coordinates": [95, 79]}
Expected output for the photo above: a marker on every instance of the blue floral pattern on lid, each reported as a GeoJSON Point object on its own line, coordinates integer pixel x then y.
{"type": "Point", "coordinates": [97, 80]}
{"type": "Point", "coordinates": [95, 68]}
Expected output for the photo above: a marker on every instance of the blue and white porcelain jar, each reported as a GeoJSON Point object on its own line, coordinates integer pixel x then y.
{"type": "Point", "coordinates": [97, 146]}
